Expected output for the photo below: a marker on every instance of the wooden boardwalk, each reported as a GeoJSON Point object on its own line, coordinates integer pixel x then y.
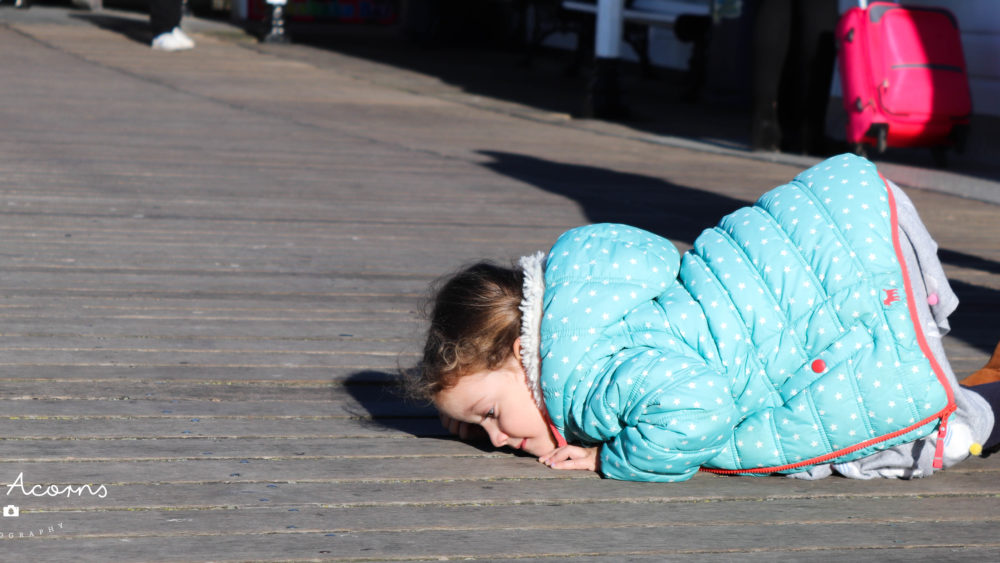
{"type": "Point", "coordinates": [213, 262]}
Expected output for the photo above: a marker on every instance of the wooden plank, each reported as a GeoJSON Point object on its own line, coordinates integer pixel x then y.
{"type": "Point", "coordinates": [28, 358]}
{"type": "Point", "coordinates": [197, 330]}
{"type": "Point", "coordinates": [293, 465]}
{"type": "Point", "coordinates": [364, 372]}
{"type": "Point", "coordinates": [722, 541]}
{"type": "Point", "coordinates": [697, 518]}
{"type": "Point", "coordinates": [138, 306]}
{"type": "Point", "coordinates": [513, 518]}
{"type": "Point", "coordinates": [337, 449]}
{"type": "Point", "coordinates": [117, 427]}
{"type": "Point", "coordinates": [330, 348]}
{"type": "Point", "coordinates": [478, 479]}
{"type": "Point", "coordinates": [384, 461]}
{"type": "Point", "coordinates": [207, 406]}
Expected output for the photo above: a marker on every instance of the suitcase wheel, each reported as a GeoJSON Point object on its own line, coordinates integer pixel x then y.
{"type": "Point", "coordinates": [881, 137]}
{"type": "Point", "coordinates": [877, 131]}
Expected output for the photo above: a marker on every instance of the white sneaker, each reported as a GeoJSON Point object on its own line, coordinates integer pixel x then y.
{"type": "Point", "coordinates": [170, 42]}
{"type": "Point", "coordinates": [183, 37]}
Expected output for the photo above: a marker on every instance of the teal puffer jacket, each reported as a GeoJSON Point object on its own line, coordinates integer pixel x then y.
{"type": "Point", "coordinates": [784, 338]}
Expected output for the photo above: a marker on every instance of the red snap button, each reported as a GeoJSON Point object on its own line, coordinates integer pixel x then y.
{"type": "Point", "coordinates": [819, 366]}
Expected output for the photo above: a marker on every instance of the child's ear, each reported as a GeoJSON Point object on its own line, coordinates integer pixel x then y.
{"type": "Point", "coordinates": [517, 349]}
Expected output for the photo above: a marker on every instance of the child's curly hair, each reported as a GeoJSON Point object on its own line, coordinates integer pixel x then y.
{"type": "Point", "coordinates": [474, 320]}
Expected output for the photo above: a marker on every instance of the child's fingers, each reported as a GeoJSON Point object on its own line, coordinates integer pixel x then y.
{"type": "Point", "coordinates": [584, 464]}
{"type": "Point", "coordinates": [547, 458]}
{"type": "Point", "coordinates": [571, 457]}
{"type": "Point", "coordinates": [560, 454]}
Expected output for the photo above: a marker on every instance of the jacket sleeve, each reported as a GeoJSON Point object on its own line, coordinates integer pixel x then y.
{"type": "Point", "coordinates": [678, 414]}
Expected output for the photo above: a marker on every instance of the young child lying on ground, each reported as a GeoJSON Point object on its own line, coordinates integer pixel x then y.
{"type": "Point", "coordinates": [800, 336]}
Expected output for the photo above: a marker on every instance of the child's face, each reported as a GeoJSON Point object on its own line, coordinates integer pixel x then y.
{"type": "Point", "coordinates": [500, 402]}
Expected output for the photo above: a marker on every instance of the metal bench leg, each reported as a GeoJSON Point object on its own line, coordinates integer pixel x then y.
{"type": "Point", "coordinates": [276, 31]}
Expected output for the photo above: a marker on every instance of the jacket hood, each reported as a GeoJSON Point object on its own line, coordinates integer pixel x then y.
{"type": "Point", "coordinates": [531, 321]}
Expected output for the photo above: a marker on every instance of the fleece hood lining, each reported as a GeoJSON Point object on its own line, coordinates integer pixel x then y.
{"type": "Point", "coordinates": [531, 321]}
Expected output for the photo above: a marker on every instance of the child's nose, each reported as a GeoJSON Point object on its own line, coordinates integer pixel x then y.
{"type": "Point", "coordinates": [498, 438]}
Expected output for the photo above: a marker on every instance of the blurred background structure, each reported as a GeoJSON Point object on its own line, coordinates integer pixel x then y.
{"type": "Point", "coordinates": [644, 56]}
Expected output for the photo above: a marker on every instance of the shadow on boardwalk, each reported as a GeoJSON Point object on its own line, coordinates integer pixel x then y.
{"type": "Point", "coordinates": [677, 212]}
{"type": "Point", "coordinates": [135, 29]}
{"type": "Point", "coordinates": [382, 406]}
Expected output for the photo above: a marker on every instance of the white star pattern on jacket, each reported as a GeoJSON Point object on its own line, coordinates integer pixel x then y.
{"type": "Point", "coordinates": [682, 362]}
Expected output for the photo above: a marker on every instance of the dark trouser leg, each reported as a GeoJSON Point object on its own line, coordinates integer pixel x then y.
{"type": "Point", "coordinates": [793, 56]}
{"type": "Point", "coordinates": [164, 15]}
{"type": "Point", "coordinates": [991, 392]}
{"type": "Point", "coordinates": [771, 35]}
{"type": "Point", "coordinates": [814, 71]}
{"type": "Point", "coordinates": [604, 97]}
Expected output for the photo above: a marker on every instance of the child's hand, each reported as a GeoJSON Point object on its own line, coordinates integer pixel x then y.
{"type": "Point", "coordinates": [571, 457]}
{"type": "Point", "coordinates": [466, 431]}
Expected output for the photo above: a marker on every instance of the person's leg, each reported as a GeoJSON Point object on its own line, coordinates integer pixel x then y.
{"type": "Point", "coordinates": [814, 57]}
{"type": "Point", "coordinates": [164, 15]}
{"type": "Point", "coordinates": [990, 392]}
{"type": "Point", "coordinates": [165, 21]}
{"type": "Point", "coordinates": [770, 47]}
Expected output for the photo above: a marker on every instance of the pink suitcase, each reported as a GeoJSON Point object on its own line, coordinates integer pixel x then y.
{"type": "Point", "coordinates": [903, 77]}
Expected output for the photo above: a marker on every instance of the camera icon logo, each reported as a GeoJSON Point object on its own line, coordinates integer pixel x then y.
{"type": "Point", "coordinates": [11, 511]}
